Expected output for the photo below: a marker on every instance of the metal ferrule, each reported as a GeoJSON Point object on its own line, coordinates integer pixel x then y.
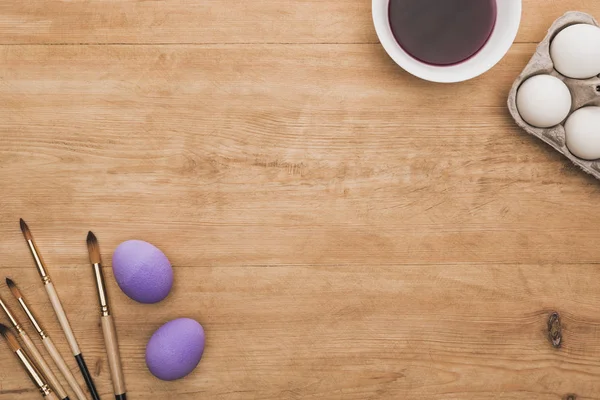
{"type": "Point", "coordinates": [31, 317]}
{"type": "Point", "coordinates": [39, 262]}
{"type": "Point", "coordinates": [11, 317]}
{"type": "Point", "coordinates": [104, 310]}
{"type": "Point", "coordinates": [46, 391]}
{"type": "Point", "coordinates": [33, 373]}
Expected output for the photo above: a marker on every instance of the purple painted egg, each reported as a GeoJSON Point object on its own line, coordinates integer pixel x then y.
{"type": "Point", "coordinates": [175, 349]}
{"type": "Point", "coordinates": [142, 271]}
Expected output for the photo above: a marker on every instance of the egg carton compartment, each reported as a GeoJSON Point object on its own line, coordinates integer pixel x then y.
{"type": "Point", "coordinates": [584, 92]}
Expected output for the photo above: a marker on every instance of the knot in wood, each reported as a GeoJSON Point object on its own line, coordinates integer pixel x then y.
{"type": "Point", "coordinates": [555, 330]}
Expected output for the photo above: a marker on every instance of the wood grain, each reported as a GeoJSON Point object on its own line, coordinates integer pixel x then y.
{"type": "Point", "coordinates": [220, 21]}
{"type": "Point", "coordinates": [52, 396]}
{"type": "Point", "coordinates": [113, 354]}
{"type": "Point", "coordinates": [42, 365]}
{"type": "Point", "coordinates": [341, 229]}
{"type": "Point", "coordinates": [237, 151]}
{"type": "Point", "coordinates": [381, 332]}
{"type": "Point", "coordinates": [64, 369]}
{"type": "Point", "coordinates": [62, 318]}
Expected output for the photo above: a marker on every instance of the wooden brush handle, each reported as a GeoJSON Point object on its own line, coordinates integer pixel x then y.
{"type": "Point", "coordinates": [42, 366]}
{"type": "Point", "coordinates": [64, 368]}
{"type": "Point", "coordinates": [52, 396]}
{"type": "Point", "coordinates": [112, 350]}
{"type": "Point", "coordinates": [62, 318]}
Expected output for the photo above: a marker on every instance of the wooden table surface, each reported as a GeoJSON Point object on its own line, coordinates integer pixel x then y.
{"type": "Point", "coordinates": [341, 229]}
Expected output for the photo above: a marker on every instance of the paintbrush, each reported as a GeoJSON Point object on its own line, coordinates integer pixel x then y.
{"type": "Point", "coordinates": [35, 376]}
{"type": "Point", "coordinates": [58, 309]}
{"type": "Point", "coordinates": [36, 356]}
{"type": "Point", "coordinates": [108, 325]}
{"type": "Point", "coordinates": [47, 341]}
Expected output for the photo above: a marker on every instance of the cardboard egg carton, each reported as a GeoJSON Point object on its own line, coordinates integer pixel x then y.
{"type": "Point", "coordinates": [583, 92]}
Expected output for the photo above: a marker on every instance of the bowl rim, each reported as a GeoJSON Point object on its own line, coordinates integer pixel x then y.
{"type": "Point", "coordinates": [500, 41]}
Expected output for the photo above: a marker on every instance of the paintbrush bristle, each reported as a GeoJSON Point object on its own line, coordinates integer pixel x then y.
{"type": "Point", "coordinates": [13, 288]}
{"type": "Point", "coordinates": [10, 338]}
{"type": "Point", "coordinates": [93, 248]}
{"type": "Point", "coordinates": [25, 230]}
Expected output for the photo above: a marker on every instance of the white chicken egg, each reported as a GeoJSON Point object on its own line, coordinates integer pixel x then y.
{"type": "Point", "coordinates": [583, 133]}
{"type": "Point", "coordinates": [543, 101]}
{"type": "Point", "coordinates": [575, 51]}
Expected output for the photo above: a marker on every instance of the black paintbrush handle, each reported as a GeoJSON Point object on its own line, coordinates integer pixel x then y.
{"type": "Point", "coordinates": [86, 375]}
{"type": "Point", "coordinates": [121, 396]}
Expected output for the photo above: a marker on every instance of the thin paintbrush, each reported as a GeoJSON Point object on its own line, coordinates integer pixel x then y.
{"type": "Point", "coordinates": [47, 341]}
{"type": "Point", "coordinates": [34, 353]}
{"type": "Point", "coordinates": [108, 325]}
{"type": "Point", "coordinates": [35, 376]}
{"type": "Point", "coordinates": [58, 309]}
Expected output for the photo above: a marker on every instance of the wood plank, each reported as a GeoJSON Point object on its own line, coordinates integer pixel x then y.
{"type": "Point", "coordinates": [445, 332]}
{"type": "Point", "coordinates": [249, 158]}
{"type": "Point", "coordinates": [341, 229]}
{"type": "Point", "coordinates": [219, 21]}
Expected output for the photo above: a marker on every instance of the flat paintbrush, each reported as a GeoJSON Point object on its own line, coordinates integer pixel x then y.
{"type": "Point", "coordinates": [47, 341]}
{"type": "Point", "coordinates": [34, 375]}
{"type": "Point", "coordinates": [108, 325]}
{"type": "Point", "coordinates": [58, 309]}
{"type": "Point", "coordinates": [36, 356]}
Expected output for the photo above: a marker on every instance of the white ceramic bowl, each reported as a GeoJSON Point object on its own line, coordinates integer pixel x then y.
{"type": "Point", "coordinates": [503, 36]}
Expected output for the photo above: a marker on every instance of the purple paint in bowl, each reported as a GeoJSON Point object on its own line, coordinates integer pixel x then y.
{"type": "Point", "coordinates": [142, 271]}
{"type": "Point", "coordinates": [175, 349]}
